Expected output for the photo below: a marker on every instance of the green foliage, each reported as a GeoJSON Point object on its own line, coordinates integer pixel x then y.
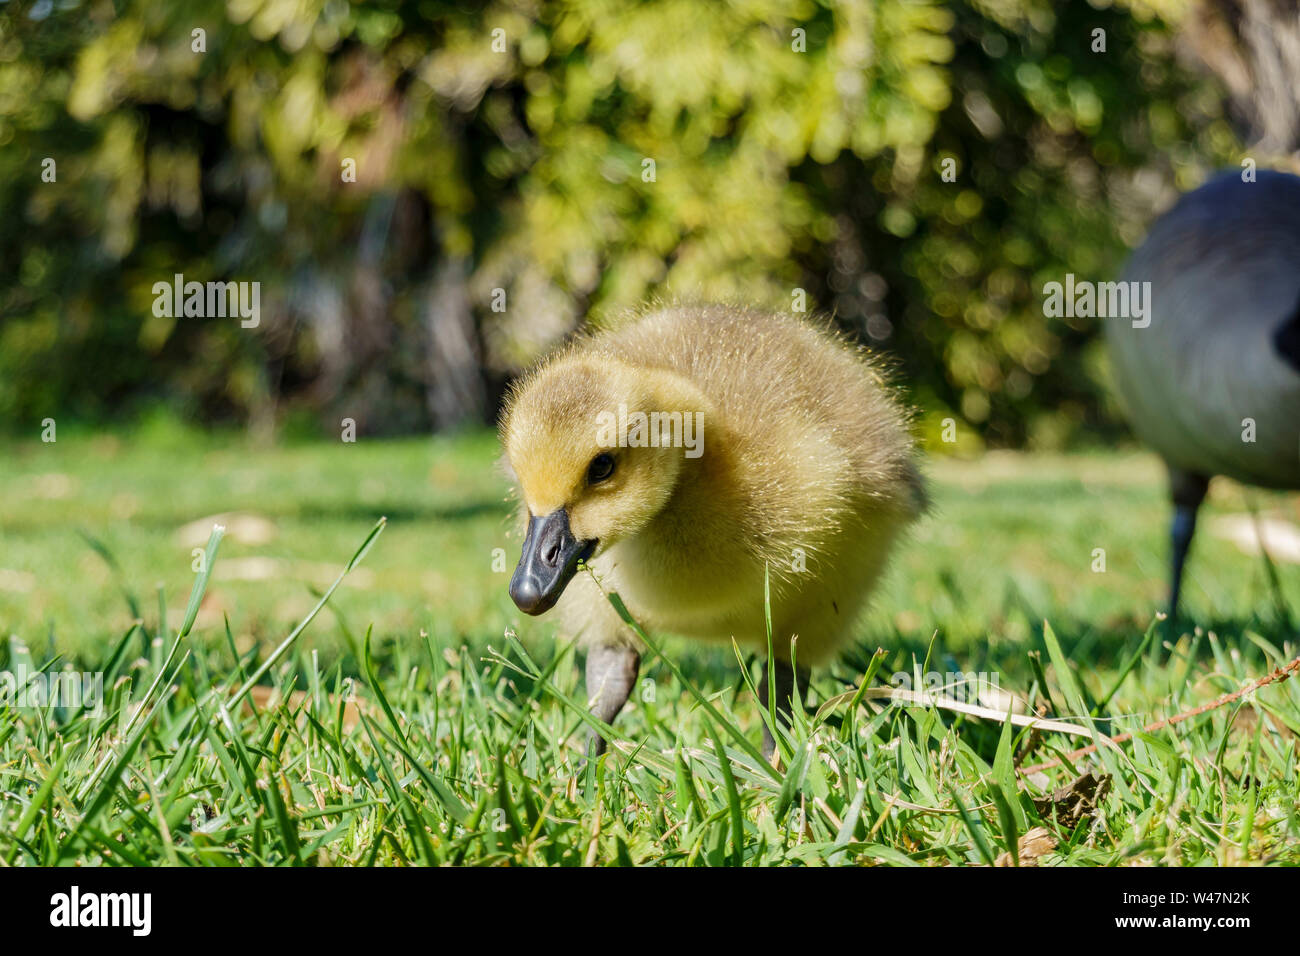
{"type": "Point", "coordinates": [793, 146]}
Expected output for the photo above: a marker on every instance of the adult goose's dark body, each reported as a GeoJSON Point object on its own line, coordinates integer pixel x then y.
{"type": "Point", "coordinates": [1213, 382]}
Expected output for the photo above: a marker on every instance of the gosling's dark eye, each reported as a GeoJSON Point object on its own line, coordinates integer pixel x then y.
{"type": "Point", "coordinates": [601, 467]}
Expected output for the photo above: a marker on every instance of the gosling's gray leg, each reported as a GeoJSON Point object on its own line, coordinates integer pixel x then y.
{"type": "Point", "coordinates": [611, 675]}
{"type": "Point", "coordinates": [1188, 491]}
{"type": "Point", "coordinates": [784, 675]}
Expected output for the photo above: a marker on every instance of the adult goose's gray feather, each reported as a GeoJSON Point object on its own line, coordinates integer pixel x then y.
{"type": "Point", "coordinates": [1212, 383]}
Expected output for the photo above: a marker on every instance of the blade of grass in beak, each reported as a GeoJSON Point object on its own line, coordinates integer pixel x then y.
{"type": "Point", "coordinates": [713, 712]}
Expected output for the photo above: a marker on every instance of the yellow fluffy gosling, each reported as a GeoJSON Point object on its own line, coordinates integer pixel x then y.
{"type": "Point", "coordinates": [765, 441]}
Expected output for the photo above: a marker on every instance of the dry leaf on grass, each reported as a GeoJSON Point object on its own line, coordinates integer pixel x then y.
{"type": "Point", "coordinates": [1075, 800]}
{"type": "Point", "coordinates": [1038, 842]}
{"type": "Point", "coordinates": [1280, 538]}
{"type": "Point", "coordinates": [242, 526]}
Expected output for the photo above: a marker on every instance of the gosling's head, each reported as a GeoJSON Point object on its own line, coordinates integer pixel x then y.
{"type": "Point", "coordinates": [584, 488]}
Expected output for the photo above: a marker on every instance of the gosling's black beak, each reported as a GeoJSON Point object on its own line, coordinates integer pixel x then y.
{"type": "Point", "coordinates": [550, 558]}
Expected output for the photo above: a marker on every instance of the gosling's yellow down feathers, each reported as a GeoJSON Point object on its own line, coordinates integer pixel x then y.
{"type": "Point", "coordinates": [804, 465]}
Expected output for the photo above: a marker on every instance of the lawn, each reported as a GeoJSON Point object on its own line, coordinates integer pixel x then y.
{"type": "Point", "coordinates": [418, 717]}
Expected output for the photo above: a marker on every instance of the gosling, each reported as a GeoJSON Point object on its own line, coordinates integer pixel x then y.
{"type": "Point", "coordinates": [682, 454]}
{"type": "Point", "coordinates": [1211, 379]}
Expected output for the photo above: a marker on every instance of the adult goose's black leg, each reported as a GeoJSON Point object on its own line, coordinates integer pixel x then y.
{"type": "Point", "coordinates": [1187, 490]}
{"type": "Point", "coordinates": [611, 674]}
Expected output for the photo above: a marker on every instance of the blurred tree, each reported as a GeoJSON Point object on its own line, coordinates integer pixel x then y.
{"type": "Point", "coordinates": [431, 195]}
{"type": "Point", "coordinates": [1253, 46]}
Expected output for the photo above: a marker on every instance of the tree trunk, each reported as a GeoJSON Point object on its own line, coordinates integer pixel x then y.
{"type": "Point", "coordinates": [455, 392]}
{"type": "Point", "coordinates": [1253, 46]}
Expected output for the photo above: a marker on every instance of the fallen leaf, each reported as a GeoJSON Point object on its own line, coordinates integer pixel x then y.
{"type": "Point", "coordinates": [1075, 800]}
{"type": "Point", "coordinates": [1038, 842]}
{"type": "Point", "coordinates": [241, 526]}
{"type": "Point", "coordinates": [248, 569]}
{"type": "Point", "coordinates": [20, 581]}
{"type": "Point", "coordinates": [1280, 538]}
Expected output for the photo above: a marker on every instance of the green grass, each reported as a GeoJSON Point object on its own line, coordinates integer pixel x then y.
{"type": "Point", "coordinates": [418, 718]}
